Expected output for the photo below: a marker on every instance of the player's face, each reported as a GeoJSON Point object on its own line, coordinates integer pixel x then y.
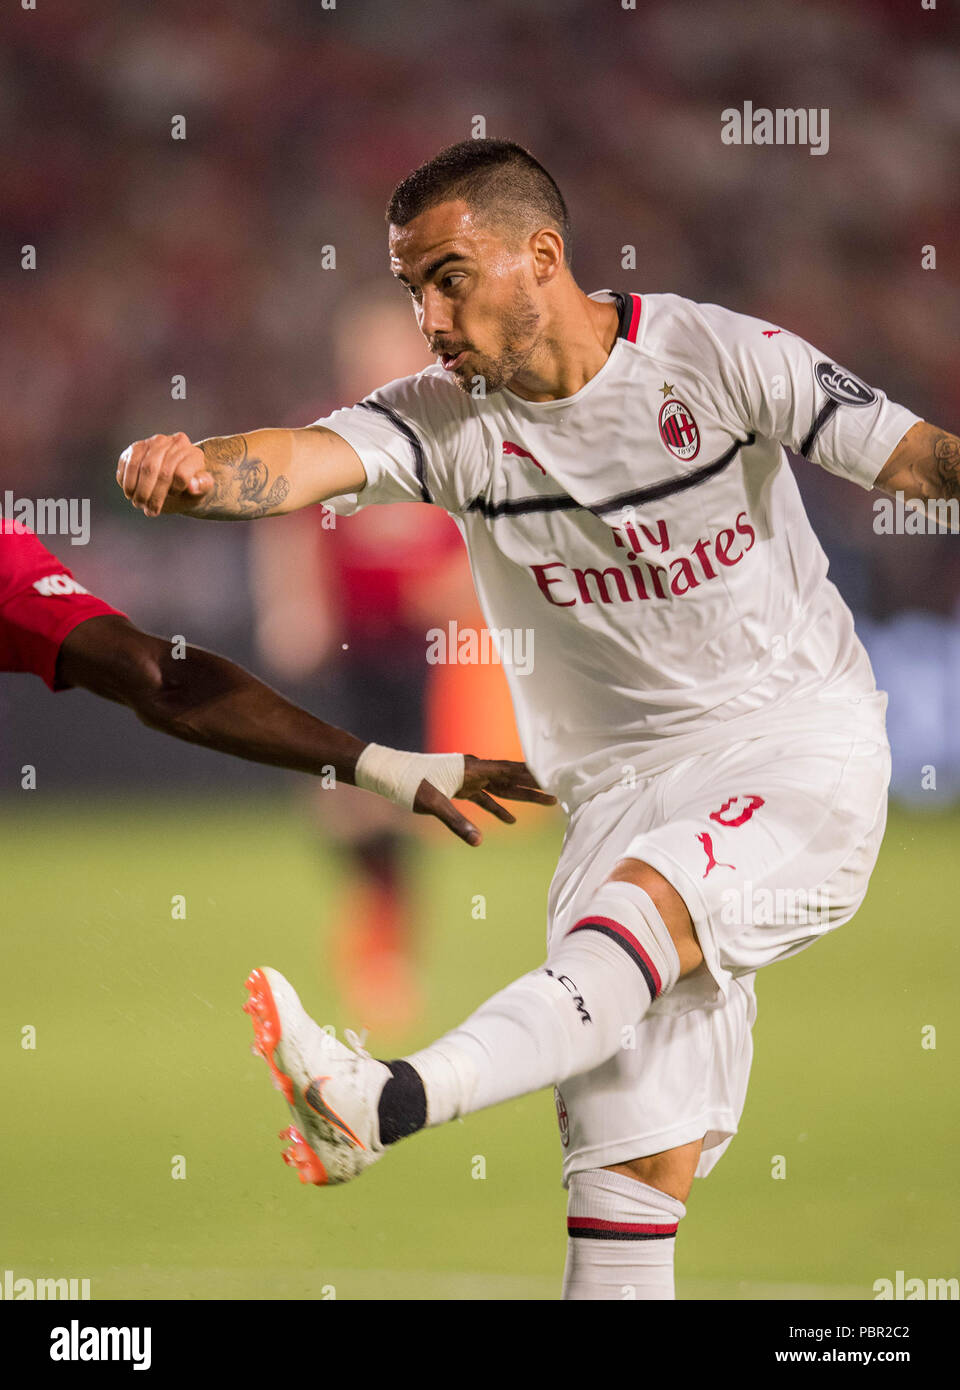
{"type": "Point", "coordinates": [470, 294]}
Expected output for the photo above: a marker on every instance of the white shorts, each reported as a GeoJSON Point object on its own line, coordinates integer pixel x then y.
{"type": "Point", "coordinates": [770, 842]}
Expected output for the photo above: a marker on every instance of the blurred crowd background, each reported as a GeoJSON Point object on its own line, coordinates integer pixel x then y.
{"type": "Point", "coordinates": [204, 258]}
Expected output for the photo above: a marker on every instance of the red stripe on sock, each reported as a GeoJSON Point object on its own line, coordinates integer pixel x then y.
{"type": "Point", "coordinates": [578, 1223]}
{"type": "Point", "coordinates": [628, 937]}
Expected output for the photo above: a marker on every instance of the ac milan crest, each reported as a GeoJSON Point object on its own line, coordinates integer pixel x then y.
{"type": "Point", "coordinates": [563, 1119]}
{"type": "Point", "coordinates": [678, 430]}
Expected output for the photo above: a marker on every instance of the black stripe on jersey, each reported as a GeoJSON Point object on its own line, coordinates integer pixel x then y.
{"type": "Point", "coordinates": [657, 491]}
{"type": "Point", "coordinates": [521, 506]}
{"type": "Point", "coordinates": [817, 426]}
{"type": "Point", "coordinates": [418, 458]}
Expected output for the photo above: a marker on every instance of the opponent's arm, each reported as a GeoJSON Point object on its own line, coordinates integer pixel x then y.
{"type": "Point", "coordinates": [208, 700]}
{"type": "Point", "coordinates": [925, 465]}
{"type": "Point", "coordinates": [238, 477]}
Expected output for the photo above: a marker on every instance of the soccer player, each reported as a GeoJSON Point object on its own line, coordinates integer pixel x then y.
{"type": "Point", "coordinates": [699, 702]}
{"type": "Point", "coordinates": [52, 627]}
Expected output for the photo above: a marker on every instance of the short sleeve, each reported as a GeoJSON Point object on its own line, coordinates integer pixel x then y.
{"type": "Point", "coordinates": [778, 386]}
{"type": "Point", "coordinates": [409, 436]}
{"type": "Point", "coordinates": [40, 605]}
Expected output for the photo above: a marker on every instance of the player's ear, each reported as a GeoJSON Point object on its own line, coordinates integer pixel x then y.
{"type": "Point", "coordinates": [546, 247]}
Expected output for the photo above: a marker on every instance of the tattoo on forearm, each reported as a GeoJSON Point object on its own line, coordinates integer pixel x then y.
{"type": "Point", "coordinates": [947, 453]}
{"type": "Point", "coordinates": [229, 450]}
{"type": "Point", "coordinates": [242, 486]}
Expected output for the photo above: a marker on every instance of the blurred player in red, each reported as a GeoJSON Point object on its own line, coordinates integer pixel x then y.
{"type": "Point", "coordinates": [346, 605]}
{"type": "Point", "coordinates": [52, 627]}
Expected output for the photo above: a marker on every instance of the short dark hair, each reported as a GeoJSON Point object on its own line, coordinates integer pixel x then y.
{"type": "Point", "coordinates": [496, 178]}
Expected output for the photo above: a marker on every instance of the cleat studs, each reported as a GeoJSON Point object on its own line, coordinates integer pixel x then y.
{"type": "Point", "coordinates": [301, 1157]}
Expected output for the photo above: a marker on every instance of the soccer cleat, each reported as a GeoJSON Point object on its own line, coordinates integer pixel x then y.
{"type": "Point", "coordinates": [301, 1156]}
{"type": "Point", "coordinates": [332, 1090]}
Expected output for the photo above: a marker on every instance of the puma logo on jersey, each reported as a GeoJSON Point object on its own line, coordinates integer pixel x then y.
{"type": "Point", "coordinates": [712, 861]}
{"type": "Point", "coordinates": [510, 448]}
{"type": "Point", "coordinates": [53, 584]}
{"type": "Point", "coordinates": [771, 332]}
{"type": "Point", "coordinates": [737, 811]}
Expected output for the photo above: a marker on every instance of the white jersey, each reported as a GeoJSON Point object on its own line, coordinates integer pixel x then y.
{"type": "Point", "coordinates": [647, 531]}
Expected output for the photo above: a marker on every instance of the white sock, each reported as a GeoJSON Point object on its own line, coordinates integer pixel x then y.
{"type": "Point", "coordinates": [561, 1020]}
{"type": "Point", "coordinates": [621, 1238]}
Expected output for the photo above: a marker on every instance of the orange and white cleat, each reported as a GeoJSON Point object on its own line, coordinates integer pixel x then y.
{"type": "Point", "coordinates": [332, 1090]}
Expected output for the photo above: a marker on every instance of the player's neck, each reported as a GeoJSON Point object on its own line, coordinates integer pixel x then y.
{"type": "Point", "coordinates": [577, 342]}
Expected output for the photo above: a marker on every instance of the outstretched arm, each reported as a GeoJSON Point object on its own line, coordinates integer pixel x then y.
{"type": "Point", "coordinates": [238, 477]}
{"type": "Point", "coordinates": [924, 465]}
{"type": "Point", "coordinates": [208, 700]}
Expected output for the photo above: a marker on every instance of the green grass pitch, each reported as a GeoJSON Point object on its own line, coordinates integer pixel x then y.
{"type": "Point", "coordinates": [142, 1055]}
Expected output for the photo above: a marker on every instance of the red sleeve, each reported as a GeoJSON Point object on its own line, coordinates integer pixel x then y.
{"type": "Point", "coordinates": [40, 604]}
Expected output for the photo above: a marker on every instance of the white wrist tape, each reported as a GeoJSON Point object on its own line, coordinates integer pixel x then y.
{"type": "Point", "coordinates": [397, 775]}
